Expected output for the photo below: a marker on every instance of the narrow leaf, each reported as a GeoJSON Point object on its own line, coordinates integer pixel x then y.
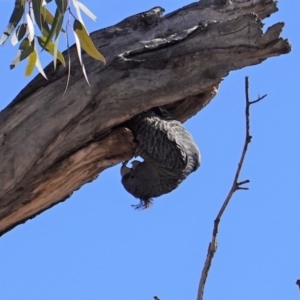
{"type": "Point", "coordinates": [77, 41]}
{"type": "Point", "coordinates": [16, 60]}
{"type": "Point", "coordinates": [30, 64]}
{"type": "Point", "coordinates": [78, 12]}
{"type": "Point", "coordinates": [14, 20]}
{"type": "Point", "coordinates": [38, 62]}
{"type": "Point", "coordinates": [37, 11]}
{"type": "Point", "coordinates": [85, 75]}
{"type": "Point", "coordinates": [48, 17]}
{"type": "Point", "coordinates": [25, 50]}
{"type": "Point", "coordinates": [45, 28]}
{"type": "Point", "coordinates": [62, 5]}
{"type": "Point", "coordinates": [30, 28]}
{"type": "Point", "coordinates": [86, 41]}
{"type": "Point", "coordinates": [86, 11]}
{"type": "Point", "coordinates": [56, 21]}
{"type": "Point", "coordinates": [31, 13]}
{"type": "Point", "coordinates": [50, 48]}
{"type": "Point", "coordinates": [78, 46]}
{"type": "Point", "coordinates": [69, 61]}
{"type": "Point", "coordinates": [59, 27]}
{"type": "Point", "coordinates": [55, 52]}
{"type": "Point", "coordinates": [18, 34]}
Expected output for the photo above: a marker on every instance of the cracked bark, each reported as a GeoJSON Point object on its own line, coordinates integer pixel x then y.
{"type": "Point", "coordinates": [50, 144]}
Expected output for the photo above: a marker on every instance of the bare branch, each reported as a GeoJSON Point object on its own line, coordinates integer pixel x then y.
{"type": "Point", "coordinates": [298, 283]}
{"type": "Point", "coordinates": [236, 185]}
{"type": "Point", "coordinates": [152, 60]}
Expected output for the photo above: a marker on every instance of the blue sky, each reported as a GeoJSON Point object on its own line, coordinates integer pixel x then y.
{"type": "Point", "coordinates": [95, 246]}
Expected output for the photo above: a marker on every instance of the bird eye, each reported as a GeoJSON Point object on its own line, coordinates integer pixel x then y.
{"type": "Point", "coordinates": [131, 176]}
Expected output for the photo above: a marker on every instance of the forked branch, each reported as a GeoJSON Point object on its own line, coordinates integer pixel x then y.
{"type": "Point", "coordinates": [236, 185]}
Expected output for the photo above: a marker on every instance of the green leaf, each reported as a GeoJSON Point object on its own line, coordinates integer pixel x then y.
{"type": "Point", "coordinates": [78, 46]}
{"type": "Point", "coordinates": [59, 26]}
{"type": "Point", "coordinates": [38, 62]}
{"type": "Point", "coordinates": [55, 52]}
{"type": "Point", "coordinates": [62, 5]}
{"type": "Point", "coordinates": [45, 28]}
{"type": "Point", "coordinates": [86, 10]}
{"type": "Point", "coordinates": [30, 28]}
{"type": "Point", "coordinates": [25, 50]}
{"type": "Point", "coordinates": [18, 34]}
{"type": "Point", "coordinates": [50, 48]}
{"type": "Point", "coordinates": [69, 64]}
{"type": "Point", "coordinates": [58, 19]}
{"type": "Point", "coordinates": [86, 41]}
{"type": "Point", "coordinates": [31, 63]}
{"type": "Point", "coordinates": [48, 17]}
{"type": "Point", "coordinates": [37, 11]}
{"type": "Point", "coordinates": [14, 20]}
{"type": "Point", "coordinates": [24, 44]}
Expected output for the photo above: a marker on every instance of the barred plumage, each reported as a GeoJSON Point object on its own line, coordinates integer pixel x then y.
{"type": "Point", "coordinates": [169, 152]}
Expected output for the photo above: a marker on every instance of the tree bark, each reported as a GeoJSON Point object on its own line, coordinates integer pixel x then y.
{"type": "Point", "coordinates": [51, 144]}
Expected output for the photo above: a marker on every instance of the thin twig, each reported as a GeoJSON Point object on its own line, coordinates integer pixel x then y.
{"type": "Point", "coordinates": [298, 283]}
{"type": "Point", "coordinates": [236, 185]}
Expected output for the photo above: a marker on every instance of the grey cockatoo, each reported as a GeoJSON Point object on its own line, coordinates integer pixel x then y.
{"type": "Point", "coordinates": [169, 152]}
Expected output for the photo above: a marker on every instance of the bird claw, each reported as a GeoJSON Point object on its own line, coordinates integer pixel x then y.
{"type": "Point", "coordinates": [144, 204]}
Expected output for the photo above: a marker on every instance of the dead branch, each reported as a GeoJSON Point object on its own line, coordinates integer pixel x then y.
{"type": "Point", "coordinates": [236, 185]}
{"type": "Point", "coordinates": [176, 61]}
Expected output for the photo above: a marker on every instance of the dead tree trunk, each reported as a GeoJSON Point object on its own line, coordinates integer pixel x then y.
{"type": "Point", "coordinates": [50, 144]}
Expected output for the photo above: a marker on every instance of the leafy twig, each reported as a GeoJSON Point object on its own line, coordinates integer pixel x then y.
{"type": "Point", "coordinates": [236, 185]}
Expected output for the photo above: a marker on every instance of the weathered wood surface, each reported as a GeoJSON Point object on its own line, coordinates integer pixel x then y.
{"type": "Point", "coordinates": [50, 144]}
